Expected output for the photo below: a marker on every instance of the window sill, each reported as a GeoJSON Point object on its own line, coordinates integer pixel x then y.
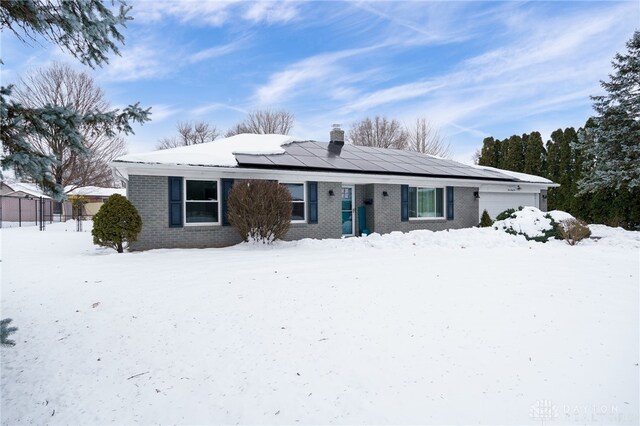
{"type": "Point", "coordinates": [201, 225]}
{"type": "Point", "coordinates": [427, 219]}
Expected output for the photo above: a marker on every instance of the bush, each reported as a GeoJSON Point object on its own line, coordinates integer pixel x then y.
{"type": "Point", "coordinates": [485, 220]}
{"type": "Point", "coordinates": [6, 331]}
{"type": "Point", "coordinates": [260, 210]}
{"type": "Point", "coordinates": [573, 231]}
{"type": "Point", "coordinates": [116, 224]}
{"type": "Point", "coordinates": [505, 214]}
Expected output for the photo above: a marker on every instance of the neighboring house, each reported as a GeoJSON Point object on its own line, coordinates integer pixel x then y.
{"type": "Point", "coordinates": [94, 197]}
{"type": "Point", "coordinates": [337, 189]}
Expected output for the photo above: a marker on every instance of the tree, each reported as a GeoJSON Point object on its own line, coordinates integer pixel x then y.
{"type": "Point", "coordinates": [513, 156]}
{"type": "Point", "coordinates": [6, 331]}
{"type": "Point", "coordinates": [116, 224]}
{"type": "Point", "coordinates": [264, 122]}
{"type": "Point", "coordinates": [190, 134]}
{"type": "Point", "coordinates": [613, 142]}
{"type": "Point", "coordinates": [379, 132]}
{"type": "Point", "coordinates": [89, 31]}
{"type": "Point", "coordinates": [534, 154]}
{"type": "Point", "coordinates": [490, 153]}
{"type": "Point", "coordinates": [422, 137]}
{"type": "Point", "coordinates": [61, 86]}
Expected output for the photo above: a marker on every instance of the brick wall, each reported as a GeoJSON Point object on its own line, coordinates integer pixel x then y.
{"type": "Point", "coordinates": [150, 196]}
{"type": "Point", "coordinates": [386, 211]}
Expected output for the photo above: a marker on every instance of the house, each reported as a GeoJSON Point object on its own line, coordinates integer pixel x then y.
{"type": "Point", "coordinates": [93, 197]}
{"type": "Point", "coordinates": [337, 189]}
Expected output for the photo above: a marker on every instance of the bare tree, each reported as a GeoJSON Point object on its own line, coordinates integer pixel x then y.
{"type": "Point", "coordinates": [379, 132]}
{"type": "Point", "coordinates": [61, 86]}
{"type": "Point", "coordinates": [190, 134]}
{"type": "Point", "coordinates": [264, 122]}
{"type": "Point", "coordinates": [422, 137]}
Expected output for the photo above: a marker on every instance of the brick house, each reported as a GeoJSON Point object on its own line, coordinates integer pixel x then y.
{"type": "Point", "coordinates": [337, 189]}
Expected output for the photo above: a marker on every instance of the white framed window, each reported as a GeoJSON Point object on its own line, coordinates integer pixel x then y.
{"type": "Point", "coordinates": [426, 203]}
{"type": "Point", "coordinates": [201, 204]}
{"type": "Point", "coordinates": [298, 201]}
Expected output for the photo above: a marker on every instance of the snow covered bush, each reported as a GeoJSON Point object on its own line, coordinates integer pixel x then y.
{"type": "Point", "coordinates": [574, 230]}
{"type": "Point", "coordinates": [485, 220]}
{"type": "Point", "coordinates": [506, 214]}
{"type": "Point", "coordinates": [260, 210]}
{"type": "Point", "coordinates": [530, 222]}
{"type": "Point", "coordinates": [116, 224]}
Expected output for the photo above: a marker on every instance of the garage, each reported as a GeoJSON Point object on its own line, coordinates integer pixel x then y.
{"type": "Point", "coordinates": [497, 202]}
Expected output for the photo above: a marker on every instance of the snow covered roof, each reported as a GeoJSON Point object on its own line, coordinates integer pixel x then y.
{"type": "Point", "coordinates": [280, 152]}
{"type": "Point", "coordinates": [524, 177]}
{"type": "Point", "coordinates": [219, 153]}
{"type": "Point", "coordinates": [96, 191]}
{"type": "Point", "coordinates": [24, 187]}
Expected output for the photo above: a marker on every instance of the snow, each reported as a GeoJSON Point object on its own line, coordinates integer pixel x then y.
{"type": "Point", "coordinates": [530, 221]}
{"type": "Point", "coordinates": [459, 327]}
{"type": "Point", "coordinates": [28, 188]}
{"type": "Point", "coordinates": [97, 191]}
{"type": "Point", "coordinates": [220, 152]}
{"type": "Point", "coordinates": [524, 177]}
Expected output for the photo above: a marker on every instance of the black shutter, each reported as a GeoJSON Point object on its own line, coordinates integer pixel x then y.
{"type": "Point", "coordinates": [312, 201]}
{"type": "Point", "coordinates": [226, 188]}
{"type": "Point", "coordinates": [449, 202]}
{"type": "Point", "coordinates": [404, 203]}
{"type": "Point", "coordinates": [175, 202]}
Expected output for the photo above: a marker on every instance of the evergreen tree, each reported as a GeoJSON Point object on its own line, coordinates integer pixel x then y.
{"type": "Point", "coordinates": [87, 29]}
{"type": "Point", "coordinates": [514, 156]}
{"type": "Point", "coordinates": [488, 154]}
{"type": "Point", "coordinates": [116, 224]}
{"type": "Point", "coordinates": [6, 331]}
{"type": "Point", "coordinates": [613, 143]}
{"type": "Point", "coordinates": [534, 154]}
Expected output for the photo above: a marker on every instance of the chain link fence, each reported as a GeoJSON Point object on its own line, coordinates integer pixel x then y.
{"type": "Point", "coordinates": [32, 211]}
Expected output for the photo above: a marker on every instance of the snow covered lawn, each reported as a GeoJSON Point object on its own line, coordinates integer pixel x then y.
{"type": "Point", "coordinates": [469, 326]}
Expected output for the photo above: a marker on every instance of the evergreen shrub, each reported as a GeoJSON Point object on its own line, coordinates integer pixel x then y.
{"type": "Point", "coordinates": [117, 223]}
{"type": "Point", "coordinates": [485, 220]}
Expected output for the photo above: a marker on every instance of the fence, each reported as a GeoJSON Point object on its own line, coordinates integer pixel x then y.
{"type": "Point", "coordinates": [32, 211]}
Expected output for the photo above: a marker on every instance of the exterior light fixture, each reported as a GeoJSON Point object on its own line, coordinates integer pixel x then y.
{"type": "Point", "coordinates": [476, 194]}
{"type": "Point", "coordinates": [385, 194]}
{"type": "Point", "coordinates": [331, 193]}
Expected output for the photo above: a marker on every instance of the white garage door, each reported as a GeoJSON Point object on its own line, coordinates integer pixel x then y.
{"type": "Point", "coordinates": [497, 202]}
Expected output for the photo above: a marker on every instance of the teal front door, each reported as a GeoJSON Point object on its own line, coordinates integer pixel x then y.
{"type": "Point", "coordinates": [347, 211]}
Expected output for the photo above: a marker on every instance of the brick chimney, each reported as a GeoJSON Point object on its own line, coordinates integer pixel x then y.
{"type": "Point", "coordinates": [336, 136]}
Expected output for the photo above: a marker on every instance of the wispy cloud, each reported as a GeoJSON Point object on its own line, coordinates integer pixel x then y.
{"type": "Point", "coordinates": [218, 13]}
{"type": "Point", "coordinates": [217, 51]}
{"type": "Point", "coordinates": [206, 108]}
{"type": "Point", "coordinates": [142, 61]}
{"type": "Point", "coordinates": [313, 72]}
{"type": "Point", "coordinates": [161, 112]}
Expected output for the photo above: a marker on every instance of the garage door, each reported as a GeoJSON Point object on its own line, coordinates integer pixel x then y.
{"type": "Point", "coordinates": [497, 202]}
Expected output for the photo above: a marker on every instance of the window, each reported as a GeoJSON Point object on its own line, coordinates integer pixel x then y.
{"type": "Point", "coordinates": [297, 200]}
{"type": "Point", "coordinates": [426, 202]}
{"type": "Point", "coordinates": [201, 201]}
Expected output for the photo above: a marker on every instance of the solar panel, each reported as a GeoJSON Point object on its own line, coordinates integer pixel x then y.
{"type": "Point", "coordinates": [316, 155]}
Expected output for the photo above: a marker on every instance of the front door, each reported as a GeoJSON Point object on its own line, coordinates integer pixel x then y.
{"type": "Point", "coordinates": [347, 211]}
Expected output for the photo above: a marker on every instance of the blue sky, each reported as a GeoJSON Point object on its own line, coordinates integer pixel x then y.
{"type": "Point", "coordinates": [473, 69]}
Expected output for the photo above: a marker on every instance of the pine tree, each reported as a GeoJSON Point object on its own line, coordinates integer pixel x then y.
{"type": "Point", "coordinates": [613, 143]}
{"type": "Point", "coordinates": [534, 154]}
{"type": "Point", "coordinates": [488, 153]}
{"type": "Point", "coordinates": [513, 158]}
{"type": "Point", "coordinates": [6, 331]}
{"type": "Point", "coordinates": [88, 30]}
